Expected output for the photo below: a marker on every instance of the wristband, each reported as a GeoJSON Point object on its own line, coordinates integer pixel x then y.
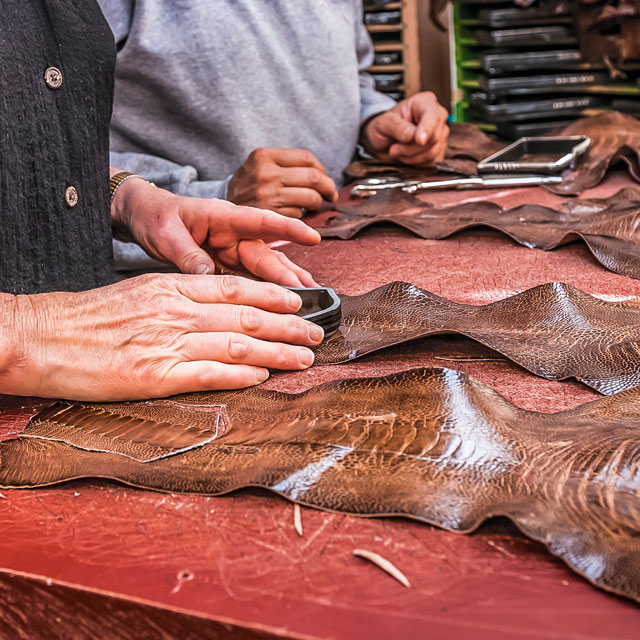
{"type": "Point", "coordinates": [118, 179]}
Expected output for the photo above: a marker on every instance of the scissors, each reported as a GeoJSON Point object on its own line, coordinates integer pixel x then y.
{"type": "Point", "coordinates": [370, 186]}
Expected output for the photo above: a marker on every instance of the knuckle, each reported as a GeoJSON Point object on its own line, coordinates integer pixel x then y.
{"type": "Point", "coordinates": [307, 156]}
{"type": "Point", "coordinates": [230, 288]}
{"type": "Point", "coordinates": [315, 200]}
{"type": "Point", "coordinates": [313, 177]}
{"type": "Point", "coordinates": [248, 319]}
{"type": "Point", "coordinates": [259, 155]}
{"type": "Point", "coordinates": [236, 347]}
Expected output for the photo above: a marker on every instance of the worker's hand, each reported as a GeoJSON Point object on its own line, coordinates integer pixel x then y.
{"type": "Point", "coordinates": [151, 336]}
{"type": "Point", "coordinates": [414, 132]}
{"type": "Point", "coordinates": [284, 180]}
{"type": "Point", "coordinates": [202, 236]}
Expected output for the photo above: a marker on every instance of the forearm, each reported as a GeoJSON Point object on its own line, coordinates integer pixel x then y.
{"type": "Point", "coordinates": [8, 344]}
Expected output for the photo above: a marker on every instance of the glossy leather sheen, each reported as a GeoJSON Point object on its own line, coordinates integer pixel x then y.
{"type": "Point", "coordinates": [608, 226]}
{"type": "Point", "coordinates": [554, 330]}
{"type": "Point", "coordinates": [431, 444]}
{"type": "Point", "coordinates": [615, 139]}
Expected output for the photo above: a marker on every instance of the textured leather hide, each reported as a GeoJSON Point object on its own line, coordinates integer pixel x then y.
{"type": "Point", "coordinates": [615, 139]}
{"type": "Point", "coordinates": [431, 444]}
{"type": "Point", "coordinates": [608, 226]}
{"type": "Point", "coordinates": [554, 330]}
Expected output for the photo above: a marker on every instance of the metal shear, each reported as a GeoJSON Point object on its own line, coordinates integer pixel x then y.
{"type": "Point", "coordinates": [370, 186]}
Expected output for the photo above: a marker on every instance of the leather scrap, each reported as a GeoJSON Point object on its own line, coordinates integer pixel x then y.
{"type": "Point", "coordinates": [430, 444]}
{"type": "Point", "coordinates": [554, 330]}
{"type": "Point", "coordinates": [608, 226]}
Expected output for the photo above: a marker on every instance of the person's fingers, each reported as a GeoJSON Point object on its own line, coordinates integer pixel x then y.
{"type": "Point", "coordinates": [407, 150]}
{"type": "Point", "coordinates": [426, 159]}
{"type": "Point", "coordinates": [237, 290]}
{"type": "Point", "coordinates": [236, 348]}
{"type": "Point", "coordinates": [392, 126]}
{"type": "Point", "coordinates": [298, 197]}
{"type": "Point", "coordinates": [310, 178]}
{"type": "Point", "coordinates": [250, 321]}
{"type": "Point", "coordinates": [265, 263]}
{"type": "Point", "coordinates": [258, 224]}
{"type": "Point", "coordinates": [289, 212]}
{"type": "Point", "coordinates": [175, 244]}
{"type": "Point", "coordinates": [297, 158]}
{"type": "Point", "coordinates": [430, 120]}
{"type": "Point", "coordinates": [205, 375]}
{"type": "Point", "coordinates": [415, 154]}
{"type": "Point", "coordinates": [303, 275]}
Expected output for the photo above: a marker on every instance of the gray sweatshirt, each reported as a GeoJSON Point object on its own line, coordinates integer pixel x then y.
{"type": "Point", "coordinates": [201, 83]}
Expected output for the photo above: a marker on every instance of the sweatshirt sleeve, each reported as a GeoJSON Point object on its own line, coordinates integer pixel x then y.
{"type": "Point", "coordinates": [118, 14]}
{"type": "Point", "coordinates": [372, 102]}
{"type": "Point", "coordinates": [181, 180]}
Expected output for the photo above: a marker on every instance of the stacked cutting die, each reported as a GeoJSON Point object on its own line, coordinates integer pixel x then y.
{"type": "Point", "coordinates": [392, 25]}
{"type": "Point", "coordinates": [520, 71]}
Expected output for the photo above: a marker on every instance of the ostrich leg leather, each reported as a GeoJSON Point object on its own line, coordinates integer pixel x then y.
{"type": "Point", "coordinates": [431, 444]}
{"type": "Point", "coordinates": [553, 330]}
{"type": "Point", "coordinates": [607, 226]}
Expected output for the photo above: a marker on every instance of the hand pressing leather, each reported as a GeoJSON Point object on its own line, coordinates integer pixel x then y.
{"type": "Point", "coordinates": [151, 336]}
{"type": "Point", "coordinates": [203, 236]}
{"type": "Point", "coordinates": [284, 180]}
{"type": "Point", "coordinates": [414, 132]}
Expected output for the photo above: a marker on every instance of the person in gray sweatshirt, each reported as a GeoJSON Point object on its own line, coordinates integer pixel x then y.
{"type": "Point", "coordinates": [260, 102]}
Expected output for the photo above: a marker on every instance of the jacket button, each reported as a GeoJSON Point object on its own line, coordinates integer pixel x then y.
{"type": "Point", "coordinates": [53, 78]}
{"type": "Point", "coordinates": [71, 197]}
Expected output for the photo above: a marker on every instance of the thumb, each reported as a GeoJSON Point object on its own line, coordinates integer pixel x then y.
{"type": "Point", "coordinates": [180, 248]}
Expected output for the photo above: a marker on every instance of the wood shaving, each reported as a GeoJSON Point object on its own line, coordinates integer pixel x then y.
{"type": "Point", "coordinates": [384, 564]}
{"type": "Point", "coordinates": [297, 520]}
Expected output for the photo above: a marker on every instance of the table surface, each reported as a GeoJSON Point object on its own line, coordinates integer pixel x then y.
{"type": "Point", "coordinates": [238, 559]}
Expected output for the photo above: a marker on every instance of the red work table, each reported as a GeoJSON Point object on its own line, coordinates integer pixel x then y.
{"type": "Point", "coordinates": [96, 559]}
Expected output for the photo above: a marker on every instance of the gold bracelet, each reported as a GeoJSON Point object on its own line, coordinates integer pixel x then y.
{"type": "Point", "coordinates": [119, 178]}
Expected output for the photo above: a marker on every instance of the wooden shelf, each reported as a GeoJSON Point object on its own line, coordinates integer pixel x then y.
{"type": "Point", "coordinates": [407, 42]}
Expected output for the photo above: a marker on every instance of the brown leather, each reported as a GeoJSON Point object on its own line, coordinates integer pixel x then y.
{"type": "Point", "coordinates": [608, 226]}
{"type": "Point", "coordinates": [431, 444]}
{"type": "Point", "coordinates": [615, 139]}
{"type": "Point", "coordinates": [554, 330]}
{"type": "Point", "coordinates": [609, 29]}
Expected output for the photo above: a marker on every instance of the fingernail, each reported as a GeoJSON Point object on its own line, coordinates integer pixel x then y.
{"type": "Point", "coordinates": [315, 333]}
{"type": "Point", "coordinates": [262, 375]}
{"type": "Point", "coordinates": [202, 269]}
{"type": "Point", "coordinates": [305, 356]}
{"type": "Point", "coordinates": [335, 197]}
{"type": "Point", "coordinates": [294, 300]}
